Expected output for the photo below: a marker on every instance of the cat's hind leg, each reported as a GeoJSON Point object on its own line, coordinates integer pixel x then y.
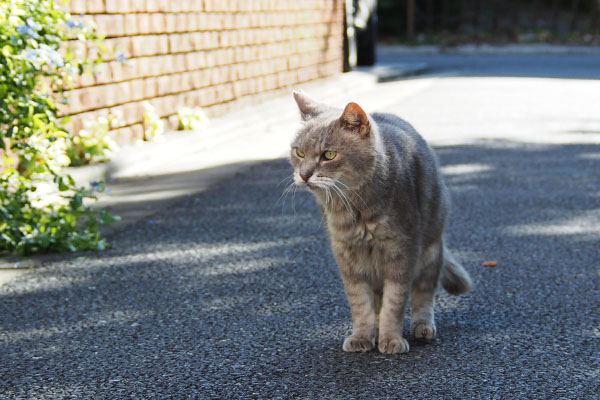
{"type": "Point", "coordinates": [422, 325]}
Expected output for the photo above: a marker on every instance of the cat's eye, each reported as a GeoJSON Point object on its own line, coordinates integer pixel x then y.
{"type": "Point", "coordinates": [299, 153]}
{"type": "Point", "coordinates": [329, 155]}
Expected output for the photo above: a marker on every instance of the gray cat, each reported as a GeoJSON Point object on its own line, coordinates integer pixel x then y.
{"type": "Point", "coordinates": [384, 204]}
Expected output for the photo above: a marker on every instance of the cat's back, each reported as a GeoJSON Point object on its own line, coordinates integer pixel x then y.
{"type": "Point", "coordinates": [402, 139]}
{"type": "Point", "coordinates": [413, 167]}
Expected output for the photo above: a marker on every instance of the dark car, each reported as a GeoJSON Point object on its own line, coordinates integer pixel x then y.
{"type": "Point", "coordinates": [360, 39]}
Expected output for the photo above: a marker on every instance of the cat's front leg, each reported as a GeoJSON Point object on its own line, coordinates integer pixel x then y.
{"type": "Point", "coordinates": [391, 316]}
{"type": "Point", "coordinates": [360, 297]}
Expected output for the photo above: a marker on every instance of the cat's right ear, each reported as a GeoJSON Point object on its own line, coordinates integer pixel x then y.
{"type": "Point", "coordinates": [308, 107]}
{"type": "Point", "coordinates": [355, 119]}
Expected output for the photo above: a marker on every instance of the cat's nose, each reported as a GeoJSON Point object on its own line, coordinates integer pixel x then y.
{"type": "Point", "coordinates": [305, 176]}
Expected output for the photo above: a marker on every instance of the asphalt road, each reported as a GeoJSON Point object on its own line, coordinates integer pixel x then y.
{"type": "Point", "coordinates": [232, 294]}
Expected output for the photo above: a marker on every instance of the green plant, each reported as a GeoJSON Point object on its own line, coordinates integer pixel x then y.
{"type": "Point", "coordinates": [93, 144]}
{"type": "Point", "coordinates": [192, 119]}
{"type": "Point", "coordinates": [154, 127]}
{"type": "Point", "coordinates": [41, 208]}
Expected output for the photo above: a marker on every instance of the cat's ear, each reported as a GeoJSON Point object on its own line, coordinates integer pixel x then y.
{"type": "Point", "coordinates": [355, 119]}
{"type": "Point", "coordinates": [308, 107]}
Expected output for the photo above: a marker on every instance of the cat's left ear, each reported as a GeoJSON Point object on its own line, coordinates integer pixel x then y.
{"type": "Point", "coordinates": [308, 107]}
{"type": "Point", "coordinates": [355, 119]}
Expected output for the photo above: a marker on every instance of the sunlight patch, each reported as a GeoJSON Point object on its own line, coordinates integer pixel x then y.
{"type": "Point", "coordinates": [463, 169]}
{"type": "Point", "coordinates": [590, 156]}
{"type": "Point", "coordinates": [246, 266]}
{"type": "Point", "coordinates": [581, 225]}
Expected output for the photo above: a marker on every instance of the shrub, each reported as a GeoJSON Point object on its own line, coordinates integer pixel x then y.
{"type": "Point", "coordinates": [154, 127]}
{"type": "Point", "coordinates": [41, 209]}
{"type": "Point", "coordinates": [92, 144]}
{"type": "Point", "coordinates": [193, 119]}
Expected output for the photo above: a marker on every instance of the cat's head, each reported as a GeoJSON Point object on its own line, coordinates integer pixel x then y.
{"type": "Point", "coordinates": [333, 147]}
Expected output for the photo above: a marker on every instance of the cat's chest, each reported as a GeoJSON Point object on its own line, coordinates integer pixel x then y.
{"type": "Point", "coordinates": [353, 229]}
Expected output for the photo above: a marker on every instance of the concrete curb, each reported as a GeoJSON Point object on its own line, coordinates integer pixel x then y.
{"type": "Point", "coordinates": [389, 72]}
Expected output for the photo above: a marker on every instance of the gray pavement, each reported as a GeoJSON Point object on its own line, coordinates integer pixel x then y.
{"type": "Point", "coordinates": [232, 291]}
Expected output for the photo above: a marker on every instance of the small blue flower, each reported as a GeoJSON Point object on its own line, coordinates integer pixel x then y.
{"type": "Point", "coordinates": [121, 57]}
{"type": "Point", "coordinates": [45, 55]}
{"type": "Point", "coordinates": [26, 30]}
{"type": "Point", "coordinates": [75, 24]}
{"type": "Point", "coordinates": [31, 55]}
{"type": "Point", "coordinates": [97, 186]}
{"type": "Point", "coordinates": [33, 25]}
{"type": "Point", "coordinates": [23, 30]}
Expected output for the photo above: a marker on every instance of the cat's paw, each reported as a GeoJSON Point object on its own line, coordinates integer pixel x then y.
{"type": "Point", "coordinates": [421, 329]}
{"type": "Point", "coordinates": [355, 343]}
{"type": "Point", "coordinates": [393, 345]}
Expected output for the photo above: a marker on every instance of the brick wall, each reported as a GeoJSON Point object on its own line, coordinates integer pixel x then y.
{"type": "Point", "coordinates": [216, 54]}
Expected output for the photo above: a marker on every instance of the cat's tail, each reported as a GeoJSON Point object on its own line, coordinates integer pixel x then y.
{"type": "Point", "coordinates": [453, 277]}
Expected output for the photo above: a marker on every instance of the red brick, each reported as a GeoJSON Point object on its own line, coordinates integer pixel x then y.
{"type": "Point", "coordinates": [181, 22]}
{"type": "Point", "coordinates": [161, 65]}
{"type": "Point", "coordinates": [138, 5]}
{"type": "Point", "coordinates": [170, 23]}
{"type": "Point", "coordinates": [121, 136]}
{"type": "Point", "coordinates": [132, 113]}
{"type": "Point", "coordinates": [189, 42]}
{"type": "Point", "coordinates": [153, 5]}
{"type": "Point", "coordinates": [122, 92]}
{"type": "Point", "coordinates": [141, 66]}
{"type": "Point", "coordinates": [228, 21]}
{"type": "Point", "coordinates": [177, 6]}
{"type": "Point", "coordinates": [150, 89]}
{"type": "Point", "coordinates": [191, 22]}
{"type": "Point", "coordinates": [102, 74]}
{"type": "Point", "coordinates": [130, 24]}
{"type": "Point", "coordinates": [163, 44]}
{"type": "Point", "coordinates": [115, 24]}
{"type": "Point", "coordinates": [137, 132]}
{"type": "Point", "coordinates": [94, 6]}
{"type": "Point", "coordinates": [157, 23]}
{"type": "Point", "coordinates": [197, 5]}
{"type": "Point", "coordinates": [163, 85]}
{"type": "Point", "coordinates": [142, 45]}
{"type": "Point", "coordinates": [137, 89]}
{"type": "Point", "coordinates": [77, 7]}
{"type": "Point", "coordinates": [164, 5]}
{"type": "Point", "coordinates": [144, 25]}
{"type": "Point", "coordinates": [179, 63]}
{"type": "Point", "coordinates": [116, 6]}
{"type": "Point", "coordinates": [116, 70]}
{"type": "Point", "coordinates": [202, 21]}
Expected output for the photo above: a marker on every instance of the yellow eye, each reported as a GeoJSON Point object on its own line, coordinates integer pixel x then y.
{"type": "Point", "coordinates": [299, 153]}
{"type": "Point", "coordinates": [329, 155]}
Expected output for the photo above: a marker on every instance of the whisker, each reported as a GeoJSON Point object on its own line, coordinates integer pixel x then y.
{"type": "Point", "coordinates": [287, 178]}
{"type": "Point", "coordinates": [294, 199]}
{"type": "Point", "coordinates": [285, 194]}
{"type": "Point", "coordinates": [351, 191]}
{"type": "Point", "coordinates": [344, 200]}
